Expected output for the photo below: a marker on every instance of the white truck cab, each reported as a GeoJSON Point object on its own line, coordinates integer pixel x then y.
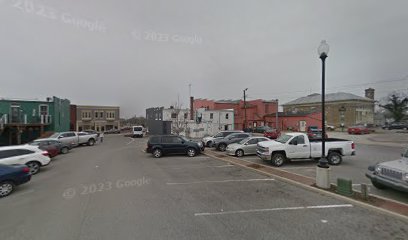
{"type": "Point", "coordinates": [298, 146]}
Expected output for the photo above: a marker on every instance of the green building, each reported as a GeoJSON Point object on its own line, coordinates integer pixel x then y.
{"type": "Point", "coordinates": [22, 121]}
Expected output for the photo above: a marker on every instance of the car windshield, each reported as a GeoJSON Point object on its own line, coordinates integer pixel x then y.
{"type": "Point", "coordinates": [243, 140]}
{"type": "Point", "coordinates": [35, 143]}
{"type": "Point", "coordinates": [55, 135]}
{"type": "Point", "coordinates": [137, 129]}
{"type": "Point", "coordinates": [284, 138]}
{"type": "Point", "coordinates": [218, 135]}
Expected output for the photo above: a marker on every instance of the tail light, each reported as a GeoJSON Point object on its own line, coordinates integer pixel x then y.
{"type": "Point", "coordinates": [45, 153]}
{"type": "Point", "coordinates": [26, 170]}
{"type": "Point", "coordinates": [353, 146]}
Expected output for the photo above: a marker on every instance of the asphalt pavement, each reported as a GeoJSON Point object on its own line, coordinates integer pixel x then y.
{"type": "Point", "coordinates": [114, 190]}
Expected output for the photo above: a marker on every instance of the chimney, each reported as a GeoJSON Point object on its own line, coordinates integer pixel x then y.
{"type": "Point", "coordinates": [369, 93]}
{"type": "Point", "coordinates": [191, 108]}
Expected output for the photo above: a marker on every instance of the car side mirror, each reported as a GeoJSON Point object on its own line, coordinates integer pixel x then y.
{"type": "Point", "coordinates": [371, 168]}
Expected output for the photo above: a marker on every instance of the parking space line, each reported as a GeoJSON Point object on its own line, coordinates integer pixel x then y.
{"type": "Point", "coordinates": [288, 168]}
{"type": "Point", "coordinates": [222, 181]}
{"type": "Point", "coordinates": [273, 209]}
{"type": "Point", "coordinates": [130, 141]}
{"type": "Point", "coordinates": [198, 167]}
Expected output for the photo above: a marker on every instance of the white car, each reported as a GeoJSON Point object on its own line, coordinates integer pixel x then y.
{"type": "Point", "coordinates": [31, 156]}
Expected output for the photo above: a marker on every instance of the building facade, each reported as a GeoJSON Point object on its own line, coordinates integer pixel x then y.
{"type": "Point", "coordinates": [294, 121]}
{"type": "Point", "coordinates": [255, 110]}
{"type": "Point", "coordinates": [342, 109]}
{"type": "Point", "coordinates": [179, 121]}
{"type": "Point", "coordinates": [98, 118]}
{"type": "Point", "coordinates": [22, 121]}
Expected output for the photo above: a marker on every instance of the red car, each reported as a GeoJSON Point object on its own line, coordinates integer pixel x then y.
{"type": "Point", "coordinates": [358, 130]}
{"type": "Point", "coordinates": [272, 134]}
{"type": "Point", "coordinates": [51, 149]}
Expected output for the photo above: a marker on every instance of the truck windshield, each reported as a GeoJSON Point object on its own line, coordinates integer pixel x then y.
{"type": "Point", "coordinates": [284, 138]}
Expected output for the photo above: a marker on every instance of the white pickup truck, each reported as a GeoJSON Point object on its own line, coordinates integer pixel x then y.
{"type": "Point", "coordinates": [75, 138]}
{"type": "Point", "coordinates": [298, 146]}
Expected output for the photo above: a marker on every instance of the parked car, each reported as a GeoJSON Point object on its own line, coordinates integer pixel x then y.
{"type": "Point", "coordinates": [359, 129]}
{"type": "Point", "coordinates": [171, 144]}
{"type": "Point", "coordinates": [138, 131]}
{"type": "Point", "coordinates": [246, 146]}
{"type": "Point", "coordinates": [112, 131]}
{"type": "Point", "coordinates": [51, 149]}
{"type": "Point", "coordinates": [390, 174]}
{"type": "Point", "coordinates": [31, 156]}
{"type": "Point", "coordinates": [208, 141]}
{"type": "Point", "coordinates": [222, 143]}
{"type": "Point", "coordinates": [75, 138]}
{"type": "Point", "coordinates": [272, 134]}
{"type": "Point", "coordinates": [315, 133]}
{"type": "Point", "coordinates": [12, 176]}
{"type": "Point", "coordinates": [298, 146]}
{"type": "Point", "coordinates": [62, 147]}
{"type": "Point", "coordinates": [262, 129]}
{"type": "Point", "coordinates": [330, 127]}
{"type": "Point", "coordinates": [396, 125]}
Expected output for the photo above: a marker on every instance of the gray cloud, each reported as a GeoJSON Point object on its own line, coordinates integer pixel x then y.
{"type": "Point", "coordinates": [85, 50]}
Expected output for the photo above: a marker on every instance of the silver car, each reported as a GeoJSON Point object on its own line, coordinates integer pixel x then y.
{"type": "Point", "coordinates": [246, 146]}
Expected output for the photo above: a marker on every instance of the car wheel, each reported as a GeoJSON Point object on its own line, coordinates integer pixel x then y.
{"type": "Point", "coordinates": [378, 185]}
{"type": "Point", "coordinates": [334, 158]}
{"type": "Point", "coordinates": [157, 153]}
{"type": "Point", "coordinates": [34, 167]}
{"type": "Point", "coordinates": [239, 153]}
{"type": "Point", "coordinates": [91, 142]}
{"type": "Point", "coordinates": [6, 188]}
{"type": "Point", "coordinates": [222, 147]}
{"type": "Point", "coordinates": [191, 152]}
{"type": "Point", "coordinates": [278, 159]}
{"type": "Point", "coordinates": [64, 150]}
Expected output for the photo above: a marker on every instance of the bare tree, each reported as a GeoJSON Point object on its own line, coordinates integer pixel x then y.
{"type": "Point", "coordinates": [179, 122]}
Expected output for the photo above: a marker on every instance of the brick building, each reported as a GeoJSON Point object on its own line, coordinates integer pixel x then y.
{"type": "Point", "coordinates": [255, 110]}
{"type": "Point", "coordinates": [341, 108]}
{"type": "Point", "coordinates": [294, 121]}
{"type": "Point", "coordinates": [98, 118]}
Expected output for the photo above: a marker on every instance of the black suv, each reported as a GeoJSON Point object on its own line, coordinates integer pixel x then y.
{"type": "Point", "coordinates": [172, 144]}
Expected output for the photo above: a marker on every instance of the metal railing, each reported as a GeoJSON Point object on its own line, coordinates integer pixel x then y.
{"type": "Point", "coordinates": [23, 119]}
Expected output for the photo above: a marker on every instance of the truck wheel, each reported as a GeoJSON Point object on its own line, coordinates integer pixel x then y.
{"type": "Point", "coordinates": [239, 153]}
{"type": "Point", "coordinates": [378, 185]}
{"type": "Point", "coordinates": [91, 142]}
{"type": "Point", "coordinates": [278, 159]}
{"type": "Point", "coordinates": [222, 147]}
{"type": "Point", "coordinates": [334, 158]}
{"type": "Point", "coordinates": [157, 153]}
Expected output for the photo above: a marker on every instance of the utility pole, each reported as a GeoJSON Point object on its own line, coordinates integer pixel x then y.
{"type": "Point", "coordinates": [276, 116]}
{"type": "Point", "coordinates": [245, 114]}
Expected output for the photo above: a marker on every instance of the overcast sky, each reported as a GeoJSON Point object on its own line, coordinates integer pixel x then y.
{"type": "Point", "coordinates": [144, 53]}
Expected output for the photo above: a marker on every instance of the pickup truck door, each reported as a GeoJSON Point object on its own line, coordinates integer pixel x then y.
{"type": "Point", "coordinates": [69, 138]}
{"type": "Point", "coordinates": [298, 148]}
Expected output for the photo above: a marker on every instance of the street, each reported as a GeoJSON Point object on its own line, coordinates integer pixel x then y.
{"type": "Point", "coordinates": [114, 190]}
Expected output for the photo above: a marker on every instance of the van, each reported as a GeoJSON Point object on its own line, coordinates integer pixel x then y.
{"type": "Point", "coordinates": [138, 131]}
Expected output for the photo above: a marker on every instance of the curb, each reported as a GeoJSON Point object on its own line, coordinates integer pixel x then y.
{"type": "Point", "coordinates": [240, 163]}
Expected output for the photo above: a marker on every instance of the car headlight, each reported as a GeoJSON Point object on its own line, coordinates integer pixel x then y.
{"type": "Point", "coordinates": [377, 169]}
{"type": "Point", "coordinates": [200, 144]}
{"type": "Point", "coordinates": [405, 177]}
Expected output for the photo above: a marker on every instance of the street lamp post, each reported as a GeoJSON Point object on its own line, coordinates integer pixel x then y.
{"type": "Point", "coordinates": [323, 169]}
{"type": "Point", "coordinates": [245, 114]}
{"type": "Point", "coordinates": [323, 50]}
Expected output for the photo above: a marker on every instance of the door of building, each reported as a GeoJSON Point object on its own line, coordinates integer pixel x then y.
{"type": "Point", "coordinates": [302, 126]}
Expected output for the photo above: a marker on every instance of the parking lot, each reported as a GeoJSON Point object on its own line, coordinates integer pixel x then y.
{"type": "Point", "coordinates": [114, 190]}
